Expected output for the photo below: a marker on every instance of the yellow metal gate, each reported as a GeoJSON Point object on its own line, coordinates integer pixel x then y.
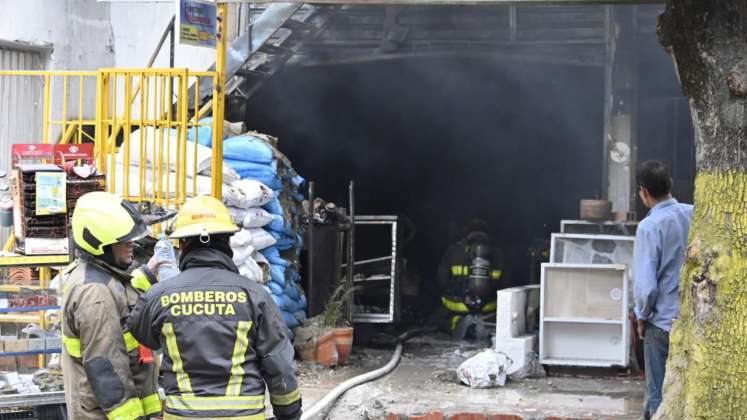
{"type": "Point", "coordinates": [138, 120]}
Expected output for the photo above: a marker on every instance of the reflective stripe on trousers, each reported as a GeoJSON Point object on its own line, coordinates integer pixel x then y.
{"type": "Point", "coordinates": [189, 402]}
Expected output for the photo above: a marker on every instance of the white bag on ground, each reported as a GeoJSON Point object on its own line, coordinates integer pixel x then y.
{"type": "Point", "coordinates": [485, 370]}
{"type": "Point", "coordinates": [256, 217]}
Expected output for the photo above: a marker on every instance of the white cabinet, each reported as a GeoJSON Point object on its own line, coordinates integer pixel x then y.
{"type": "Point", "coordinates": [584, 315]}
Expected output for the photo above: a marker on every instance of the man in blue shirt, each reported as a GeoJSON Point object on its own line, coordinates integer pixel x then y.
{"type": "Point", "coordinates": [660, 248]}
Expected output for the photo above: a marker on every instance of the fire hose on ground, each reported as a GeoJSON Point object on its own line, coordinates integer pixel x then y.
{"type": "Point", "coordinates": [323, 406]}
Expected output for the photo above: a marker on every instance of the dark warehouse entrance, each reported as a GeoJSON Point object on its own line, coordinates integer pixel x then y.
{"type": "Point", "coordinates": [445, 140]}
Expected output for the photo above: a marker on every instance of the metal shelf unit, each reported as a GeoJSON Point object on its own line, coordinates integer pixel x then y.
{"type": "Point", "coordinates": [583, 315]}
{"type": "Point", "coordinates": [388, 281]}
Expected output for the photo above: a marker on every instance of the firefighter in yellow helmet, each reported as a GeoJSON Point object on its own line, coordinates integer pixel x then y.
{"type": "Point", "coordinates": [107, 374]}
{"type": "Point", "coordinates": [222, 336]}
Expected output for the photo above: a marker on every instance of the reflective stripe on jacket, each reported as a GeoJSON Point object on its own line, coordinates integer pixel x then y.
{"type": "Point", "coordinates": [222, 338]}
{"type": "Point", "coordinates": [103, 376]}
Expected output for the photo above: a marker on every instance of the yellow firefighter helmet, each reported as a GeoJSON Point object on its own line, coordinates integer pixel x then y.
{"type": "Point", "coordinates": [203, 215]}
{"type": "Point", "coordinates": [101, 219]}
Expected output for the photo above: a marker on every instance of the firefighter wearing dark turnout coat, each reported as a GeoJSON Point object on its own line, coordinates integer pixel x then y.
{"type": "Point", "coordinates": [106, 373]}
{"type": "Point", "coordinates": [468, 275]}
{"type": "Point", "coordinates": [222, 336]}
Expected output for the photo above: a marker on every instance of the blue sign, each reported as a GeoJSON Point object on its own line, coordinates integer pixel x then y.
{"type": "Point", "coordinates": [198, 23]}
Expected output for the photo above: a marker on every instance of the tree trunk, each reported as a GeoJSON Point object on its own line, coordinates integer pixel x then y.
{"type": "Point", "coordinates": [707, 367]}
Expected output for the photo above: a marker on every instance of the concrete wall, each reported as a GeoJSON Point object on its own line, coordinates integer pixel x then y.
{"type": "Point", "coordinates": [78, 31]}
{"type": "Point", "coordinates": [87, 34]}
{"type": "Point", "coordinates": [138, 27]}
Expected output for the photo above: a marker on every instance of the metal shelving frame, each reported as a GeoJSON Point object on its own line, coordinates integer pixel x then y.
{"type": "Point", "coordinates": [394, 299]}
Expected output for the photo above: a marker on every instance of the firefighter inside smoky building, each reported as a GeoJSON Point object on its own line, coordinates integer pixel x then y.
{"type": "Point", "coordinates": [469, 276]}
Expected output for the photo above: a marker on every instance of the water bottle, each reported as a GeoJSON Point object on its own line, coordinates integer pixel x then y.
{"type": "Point", "coordinates": [164, 251]}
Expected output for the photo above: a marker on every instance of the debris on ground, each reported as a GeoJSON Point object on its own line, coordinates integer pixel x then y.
{"type": "Point", "coordinates": [486, 370]}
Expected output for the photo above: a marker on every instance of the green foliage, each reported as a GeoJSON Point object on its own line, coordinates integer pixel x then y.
{"type": "Point", "coordinates": [332, 315]}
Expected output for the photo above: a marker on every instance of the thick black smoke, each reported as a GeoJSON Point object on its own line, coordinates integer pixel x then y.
{"type": "Point", "coordinates": [445, 140]}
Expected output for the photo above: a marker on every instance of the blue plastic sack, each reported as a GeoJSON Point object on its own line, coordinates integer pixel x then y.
{"type": "Point", "coordinates": [277, 273]}
{"type": "Point", "coordinates": [204, 134]}
{"type": "Point", "coordinates": [253, 167]}
{"type": "Point", "coordinates": [279, 300]}
{"type": "Point", "coordinates": [257, 171]}
{"type": "Point", "coordinates": [292, 275]}
{"type": "Point", "coordinates": [247, 148]}
{"type": "Point", "coordinates": [273, 256]}
{"type": "Point", "coordinates": [303, 302]}
{"type": "Point", "coordinates": [300, 315]}
{"type": "Point", "coordinates": [285, 242]}
{"type": "Point", "coordinates": [276, 288]}
{"type": "Point", "coordinates": [274, 207]}
{"type": "Point", "coordinates": [278, 224]}
{"type": "Point", "coordinates": [299, 240]}
{"type": "Point", "coordinates": [290, 320]}
{"type": "Point", "coordinates": [291, 290]}
{"type": "Point", "coordinates": [297, 181]}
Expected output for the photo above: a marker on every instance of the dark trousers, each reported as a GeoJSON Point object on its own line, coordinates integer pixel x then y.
{"type": "Point", "coordinates": [655, 353]}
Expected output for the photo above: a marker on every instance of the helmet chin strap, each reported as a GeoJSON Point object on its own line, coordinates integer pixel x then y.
{"type": "Point", "coordinates": [108, 258]}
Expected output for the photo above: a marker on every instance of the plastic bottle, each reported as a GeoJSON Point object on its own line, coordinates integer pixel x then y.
{"type": "Point", "coordinates": [164, 251]}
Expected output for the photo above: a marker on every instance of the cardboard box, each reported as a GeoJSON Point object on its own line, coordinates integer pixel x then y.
{"type": "Point", "coordinates": [36, 344]}
{"type": "Point", "coordinates": [3, 338]}
{"type": "Point", "coordinates": [45, 246]}
{"type": "Point", "coordinates": [16, 345]}
{"type": "Point", "coordinates": [53, 343]}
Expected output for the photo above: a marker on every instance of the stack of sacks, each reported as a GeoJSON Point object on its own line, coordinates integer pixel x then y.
{"type": "Point", "coordinates": [256, 159]}
{"type": "Point", "coordinates": [244, 199]}
{"type": "Point", "coordinates": [154, 169]}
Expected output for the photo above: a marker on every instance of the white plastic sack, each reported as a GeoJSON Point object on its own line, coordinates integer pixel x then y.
{"type": "Point", "coordinates": [260, 258]}
{"type": "Point", "coordinates": [263, 264]}
{"type": "Point", "coordinates": [241, 239]}
{"type": "Point", "coordinates": [237, 214]}
{"type": "Point", "coordinates": [251, 270]}
{"type": "Point", "coordinates": [247, 193]}
{"type": "Point", "coordinates": [261, 239]}
{"type": "Point", "coordinates": [152, 137]}
{"type": "Point", "coordinates": [256, 217]}
{"type": "Point", "coordinates": [204, 183]}
{"type": "Point", "coordinates": [242, 253]}
{"type": "Point", "coordinates": [257, 238]}
{"type": "Point", "coordinates": [485, 370]}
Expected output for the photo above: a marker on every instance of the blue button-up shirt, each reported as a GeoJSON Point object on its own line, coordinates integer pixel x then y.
{"type": "Point", "coordinates": [660, 248]}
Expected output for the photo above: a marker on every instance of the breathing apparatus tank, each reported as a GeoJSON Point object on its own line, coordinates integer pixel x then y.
{"type": "Point", "coordinates": [480, 287]}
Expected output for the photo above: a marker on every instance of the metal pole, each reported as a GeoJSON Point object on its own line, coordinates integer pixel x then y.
{"type": "Point", "coordinates": [219, 101]}
{"type": "Point", "coordinates": [172, 40]}
{"type": "Point", "coordinates": [169, 29]}
{"type": "Point", "coordinates": [351, 248]}
{"type": "Point", "coordinates": [310, 250]}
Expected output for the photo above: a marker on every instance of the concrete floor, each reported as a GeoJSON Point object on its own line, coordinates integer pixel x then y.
{"type": "Point", "coordinates": [425, 381]}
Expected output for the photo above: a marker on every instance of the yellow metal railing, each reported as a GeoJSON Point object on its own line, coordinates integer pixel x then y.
{"type": "Point", "coordinates": [138, 120]}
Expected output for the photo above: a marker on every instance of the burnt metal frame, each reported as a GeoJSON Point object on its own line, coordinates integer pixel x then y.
{"type": "Point", "coordinates": [394, 299]}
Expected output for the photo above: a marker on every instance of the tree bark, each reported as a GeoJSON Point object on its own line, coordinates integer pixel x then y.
{"type": "Point", "coordinates": [707, 367]}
